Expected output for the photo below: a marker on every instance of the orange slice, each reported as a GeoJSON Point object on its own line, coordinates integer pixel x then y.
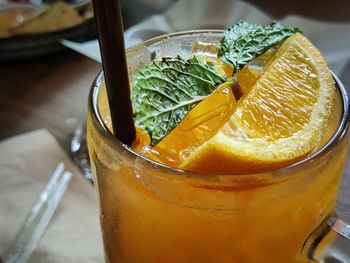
{"type": "Point", "coordinates": [281, 119]}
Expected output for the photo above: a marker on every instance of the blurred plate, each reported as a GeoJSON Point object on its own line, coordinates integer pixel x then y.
{"type": "Point", "coordinates": [29, 46]}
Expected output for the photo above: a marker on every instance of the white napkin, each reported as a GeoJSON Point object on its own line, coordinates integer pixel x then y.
{"type": "Point", "coordinates": [73, 234]}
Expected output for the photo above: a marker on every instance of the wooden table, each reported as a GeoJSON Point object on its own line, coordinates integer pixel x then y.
{"type": "Point", "coordinates": [51, 93]}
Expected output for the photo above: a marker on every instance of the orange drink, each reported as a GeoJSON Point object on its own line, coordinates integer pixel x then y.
{"type": "Point", "coordinates": [152, 212]}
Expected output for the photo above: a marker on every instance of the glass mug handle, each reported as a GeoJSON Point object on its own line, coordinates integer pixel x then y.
{"type": "Point", "coordinates": [330, 242]}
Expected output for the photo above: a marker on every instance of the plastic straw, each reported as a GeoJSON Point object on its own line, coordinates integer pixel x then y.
{"type": "Point", "coordinates": [111, 38]}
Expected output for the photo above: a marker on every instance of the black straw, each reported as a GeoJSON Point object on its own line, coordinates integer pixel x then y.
{"type": "Point", "coordinates": [111, 38]}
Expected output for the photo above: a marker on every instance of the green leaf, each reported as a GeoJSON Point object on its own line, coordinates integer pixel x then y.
{"type": "Point", "coordinates": [165, 91]}
{"type": "Point", "coordinates": [245, 41]}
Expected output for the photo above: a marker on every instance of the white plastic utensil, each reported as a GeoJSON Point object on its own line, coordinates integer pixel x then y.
{"type": "Point", "coordinates": [40, 215]}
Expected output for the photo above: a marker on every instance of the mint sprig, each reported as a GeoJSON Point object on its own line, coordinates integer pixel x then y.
{"type": "Point", "coordinates": [245, 41]}
{"type": "Point", "coordinates": [165, 91]}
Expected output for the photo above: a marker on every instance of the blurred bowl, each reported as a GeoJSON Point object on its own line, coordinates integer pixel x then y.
{"type": "Point", "coordinates": [30, 46]}
{"type": "Point", "coordinates": [78, 4]}
{"type": "Point", "coordinates": [11, 15]}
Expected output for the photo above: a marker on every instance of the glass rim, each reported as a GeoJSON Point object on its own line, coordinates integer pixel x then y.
{"type": "Point", "coordinates": [337, 136]}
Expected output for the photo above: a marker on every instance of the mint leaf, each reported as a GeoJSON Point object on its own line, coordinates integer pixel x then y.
{"type": "Point", "coordinates": [245, 41]}
{"type": "Point", "coordinates": [165, 91]}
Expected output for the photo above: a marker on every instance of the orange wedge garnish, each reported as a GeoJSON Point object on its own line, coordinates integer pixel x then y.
{"type": "Point", "coordinates": [281, 119]}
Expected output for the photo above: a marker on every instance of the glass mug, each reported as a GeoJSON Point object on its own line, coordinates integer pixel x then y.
{"type": "Point", "coordinates": [153, 213]}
